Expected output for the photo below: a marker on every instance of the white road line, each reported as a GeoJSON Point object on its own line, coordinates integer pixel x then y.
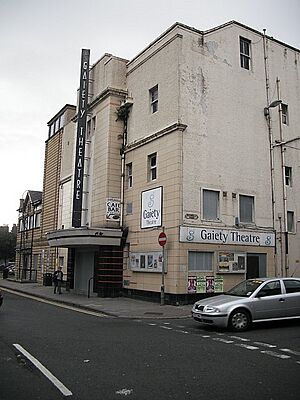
{"type": "Point", "coordinates": [165, 327]}
{"type": "Point", "coordinates": [60, 386]}
{"type": "Point", "coordinates": [273, 354]}
{"type": "Point", "coordinates": [223, 340]}
{"type": "Point", "coordinates": [271, 346]}
{"type": "Point", "coordinates": [295, 353]}
{"type": "Point", "coordinates": [181, 331]}
{"type": "Point", "coordinates": [246, 346]}
{"type": "Point", "coordinates": [240, 338]}
{"type": "Point", "coordinates": [151, 324]}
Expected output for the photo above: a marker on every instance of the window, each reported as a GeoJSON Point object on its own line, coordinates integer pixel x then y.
{"type": "Point", "coordinates": [270, 289]}
{"type": "Point", "coordinates": [246, 208]}
{"type": "Point", "coordinates": [200, 261]}
{"type": "Point", "coordinates": [288, 176]}
{"type": "Point", "coordinates": [292, 286]}
{"type": "Point", "coordinates": [88, 127]}
{"type": "Point", "coordinates": [152, 167]}
{"type": "Point", "coordinates": [94, 124]}
{"type": "Point", "coordinates": [210, 208]}
{"type": "Point", "coordinates": [290, 221]}
{"type": "Point", "coordinates": [245, 53]}
{"type": "Point", "coordinates": [129, 175]}
{"type": "Point", "coordinates": [154, 99]}
{"type": "Point", "coordinates": [129, 208]}
{"type": "Point", "coordinates": [284, 114]}
{"type": "Point", "coordinates": [38, 220]}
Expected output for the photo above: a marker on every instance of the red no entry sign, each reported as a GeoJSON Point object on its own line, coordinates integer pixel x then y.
{"type": "Point", "coordinates": [162, 239]}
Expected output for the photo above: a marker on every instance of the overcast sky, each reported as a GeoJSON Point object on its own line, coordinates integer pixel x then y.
{"type": "Point", "coordinates": [41, 42]}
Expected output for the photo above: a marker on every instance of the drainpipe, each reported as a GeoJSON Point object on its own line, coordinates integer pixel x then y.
{"type": "Point", "coordinates": [284, 196]}
{"type": "Point", "coordinates": [123, 113]}
{"type": "Point", "coordinates": [270, 140]}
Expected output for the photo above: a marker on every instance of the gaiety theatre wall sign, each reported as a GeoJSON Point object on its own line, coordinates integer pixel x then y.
{"type": "Point", "coordinates": [80, 141]}
{"type": "Point", "coordinates": [226, 236]}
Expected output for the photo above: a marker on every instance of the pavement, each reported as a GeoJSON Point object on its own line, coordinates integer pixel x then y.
{"type": "Point", "coordinates": [122, 307]}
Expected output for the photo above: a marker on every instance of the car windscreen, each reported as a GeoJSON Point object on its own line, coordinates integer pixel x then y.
{"type": "Point", "coordinates": [245, 289]}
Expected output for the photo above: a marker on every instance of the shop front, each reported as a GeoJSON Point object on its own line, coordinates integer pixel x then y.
{"type": "Point", "coordinates": [218, 259]}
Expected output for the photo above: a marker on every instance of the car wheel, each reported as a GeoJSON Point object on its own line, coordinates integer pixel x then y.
{"type": "Point", "coordinates": [239, 320]}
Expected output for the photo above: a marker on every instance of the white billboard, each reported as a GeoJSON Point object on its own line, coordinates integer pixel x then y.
{"type": "Point", "coordinates": [151, 208]}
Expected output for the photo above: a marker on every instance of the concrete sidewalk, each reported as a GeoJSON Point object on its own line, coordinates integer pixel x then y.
{"type": "Point", "coordinates": [121, 307]}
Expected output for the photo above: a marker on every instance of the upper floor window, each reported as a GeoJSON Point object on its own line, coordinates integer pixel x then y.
{"type": "Point", "coordinates": [246, 208]}
{"type": "Point", "coordinates": [290, 221]}
{"type": "Point", "coordinates": [288, 176]}
{"type": "Point", "coordinates": [129, 175]}
{"type": "Point", "coordinates": [284, 114]}
{"type": "Point", "coordinates": [210, 209]}
{"type": "Point", "coordinates": [245, 55]}
{"type": "Point", "coordinates": [154, 99]}
{"type": "Point", "coordinates": [152, 167]}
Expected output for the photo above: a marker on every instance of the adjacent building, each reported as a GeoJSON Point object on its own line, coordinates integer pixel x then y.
{"type": "Point", "coordinates": [196, 137]}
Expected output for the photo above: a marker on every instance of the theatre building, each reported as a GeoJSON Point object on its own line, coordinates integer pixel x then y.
{"type": "Point", "coordinates": [195, 137]}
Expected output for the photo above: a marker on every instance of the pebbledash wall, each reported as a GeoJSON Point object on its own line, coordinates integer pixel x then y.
{"type": "Point", "coordinates": [185, 139]}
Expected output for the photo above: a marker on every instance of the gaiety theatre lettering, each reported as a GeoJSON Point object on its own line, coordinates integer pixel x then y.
{"type": "Point", "coordinates": [80, 141]}
{"type": "Point", "coordinates": [226, 236]}
{"type": "Point", "coordinates": [223, 237]}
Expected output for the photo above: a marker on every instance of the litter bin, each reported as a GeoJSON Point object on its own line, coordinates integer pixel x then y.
{"type": "Point", "coordinates": [5, 273]}
{"type": "Point", "coordinates": [47, 279]}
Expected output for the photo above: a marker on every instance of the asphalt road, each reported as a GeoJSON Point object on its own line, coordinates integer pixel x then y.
{"type": "Point", "coordinates": [102, 358]}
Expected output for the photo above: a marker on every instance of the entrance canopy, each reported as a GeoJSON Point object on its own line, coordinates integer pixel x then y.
{"type": "Point", "coordinates": [75, 237]}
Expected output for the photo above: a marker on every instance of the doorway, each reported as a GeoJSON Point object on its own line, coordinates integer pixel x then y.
{"type": "Point", "coordinates": [84, 270]}
{"type": "Point", "coordinates": [256, 265]}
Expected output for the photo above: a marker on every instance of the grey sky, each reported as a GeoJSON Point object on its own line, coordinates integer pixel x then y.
{"type": "Point", "coordinates": [41, 41]}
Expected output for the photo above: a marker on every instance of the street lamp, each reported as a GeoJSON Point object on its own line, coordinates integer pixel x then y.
{"type": "Point", "coordinates": [274, 103]}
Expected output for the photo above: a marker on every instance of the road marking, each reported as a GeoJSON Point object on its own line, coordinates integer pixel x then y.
{"type": "Point", "coordinates": [61, 305]}
{"type": "Point", "coordinates": [181, 331]}
{"type": "Point", "coordinates": [165, 327]}
{"type": "Point", "coordinates": [273, 354]}
{"type": "Point", "coordinates": [246, 346]}
{"type": "Point", "coordinates": [271, 346]}
{"type": "Point", "coordinates": [151, 324]}
{"type": "Point", "coordinates": [295, 353]}
{"type": "Point", "coordinates": [223, 340]}
{"type": "Point", "coordinates": [60, 386]}
{"type": "Point", "coordinates": [240, 338]}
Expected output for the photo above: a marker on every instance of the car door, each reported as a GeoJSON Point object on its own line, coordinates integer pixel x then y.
{"type": "Point", "coordinates": [269, 302]}
{"type": "Point", "coordinates": [292, 297]}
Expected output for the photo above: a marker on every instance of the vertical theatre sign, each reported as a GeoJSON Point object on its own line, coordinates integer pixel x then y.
{"type": "Point", "coordinates": [80, 141]}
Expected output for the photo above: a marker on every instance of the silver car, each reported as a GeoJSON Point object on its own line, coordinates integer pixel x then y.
{"type": "Point", "coordinates": [253, 300]}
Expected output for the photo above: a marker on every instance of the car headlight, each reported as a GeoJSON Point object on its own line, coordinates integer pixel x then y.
{"type": "Point", "coordinates": [210, 309]}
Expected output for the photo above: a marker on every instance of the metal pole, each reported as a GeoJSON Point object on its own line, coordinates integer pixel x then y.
{"type": "Point", "coordinates": [162, 290]}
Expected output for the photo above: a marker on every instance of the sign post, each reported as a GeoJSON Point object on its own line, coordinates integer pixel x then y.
{"type": "Point", "coordinates": [162, 240]}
